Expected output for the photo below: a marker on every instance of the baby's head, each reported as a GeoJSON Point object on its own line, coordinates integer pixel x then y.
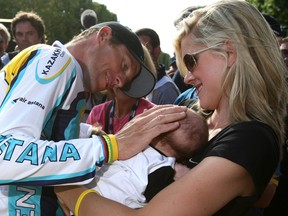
{"type": "Point", "coordinates": [186, 140]}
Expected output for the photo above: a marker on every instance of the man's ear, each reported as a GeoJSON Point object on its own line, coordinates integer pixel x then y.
{"type": "Point", "coordinates": [104, 34]}
{"type": "Point", "coordinates": [231, 51]}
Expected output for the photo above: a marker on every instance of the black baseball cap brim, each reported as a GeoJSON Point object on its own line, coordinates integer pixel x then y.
{"type": "Point", "coordinates": [144, 82]}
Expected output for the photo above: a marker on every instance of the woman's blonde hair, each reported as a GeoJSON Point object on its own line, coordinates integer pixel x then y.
{"type": "Point", "coordinates": [256, 83]}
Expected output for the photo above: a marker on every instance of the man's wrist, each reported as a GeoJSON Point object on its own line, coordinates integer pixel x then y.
{"type": "Point", "coordinates": [112, 148]}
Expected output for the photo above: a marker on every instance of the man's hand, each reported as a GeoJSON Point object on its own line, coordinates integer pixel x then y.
{"type": "Point", "coordinates": [139, 132]}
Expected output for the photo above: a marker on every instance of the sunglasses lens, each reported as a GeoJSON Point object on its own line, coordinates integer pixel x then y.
{"type": "Point", "coordinates": [189, 61]}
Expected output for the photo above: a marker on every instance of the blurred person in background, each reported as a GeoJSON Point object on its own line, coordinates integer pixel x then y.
{"type": "Point", "coordinates": [165, 90]}
{"type": "Point", "coordinates": [27, 29]}
{"type": "Point", "coordinates": [164, 58]}
{"type": "Point", "coordinates": [4, 41]}
{"type": "Point", "coordinates": [275, 26]}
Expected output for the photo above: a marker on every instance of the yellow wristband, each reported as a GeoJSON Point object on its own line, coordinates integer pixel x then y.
{"type": "Point", "coordinates": [112, 147]}
{"type": "Point", "coordinates": [115, 152]}
{"type": "Point", "coordinates": [80, 198]}
{"type": "Point", "coordinates": [109, 148]}
{"type": "Point", "coordinates": [275, 181]}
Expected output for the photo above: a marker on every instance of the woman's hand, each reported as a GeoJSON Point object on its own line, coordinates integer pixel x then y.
{"type": "Point", "coordinates": [138, 133]}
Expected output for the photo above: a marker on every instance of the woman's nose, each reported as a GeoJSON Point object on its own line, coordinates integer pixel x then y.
{"type": "Point", "coordinates": [188, 78]}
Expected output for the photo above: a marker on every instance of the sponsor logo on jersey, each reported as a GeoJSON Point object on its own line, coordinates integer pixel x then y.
{"type": "Point", "coordinates": [12, 149]}
{"type": "Point", "coordinates": [28, 102]}
{"type": "Point", "coordinates": [45, 72]}
{"type": "Point", "coordinates": [25, 200]}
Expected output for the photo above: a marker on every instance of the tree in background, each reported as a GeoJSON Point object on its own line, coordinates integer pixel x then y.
{"type": "Point", "coordinates": [276, 8]}
{"type": "Point", "coordinates": [61, 17]}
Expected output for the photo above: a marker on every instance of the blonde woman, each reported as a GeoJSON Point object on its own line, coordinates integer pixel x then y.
{"type": "Point", "coordinates": [228, 52]}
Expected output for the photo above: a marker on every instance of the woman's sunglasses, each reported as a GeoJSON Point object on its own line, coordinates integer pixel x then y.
{"type": "Point", "coordinates": [190, 60]}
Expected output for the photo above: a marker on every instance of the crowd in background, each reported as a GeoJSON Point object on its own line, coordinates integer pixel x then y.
{"type": "Point", "coordinates": [111, 109]}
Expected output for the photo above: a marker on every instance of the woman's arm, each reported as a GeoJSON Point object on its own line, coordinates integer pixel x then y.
{"type": "Point", "coordinates": [202, 191]}
{"type": "Point", "coordinates": [70, 194]}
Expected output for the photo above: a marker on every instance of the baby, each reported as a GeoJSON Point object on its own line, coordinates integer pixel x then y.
{"type": "Point", "coordinates": [135, 181]}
